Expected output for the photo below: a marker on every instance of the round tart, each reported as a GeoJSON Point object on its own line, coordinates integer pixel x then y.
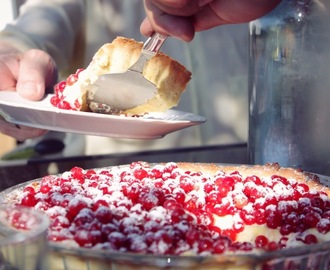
{"type": "Point", "coordinates": [182, 208]}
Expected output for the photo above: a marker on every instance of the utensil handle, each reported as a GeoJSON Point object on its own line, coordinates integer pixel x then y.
{"type": "Point", "coordinates": [154, 43]}
{"type": "Point", "coordinates": [149, 49]}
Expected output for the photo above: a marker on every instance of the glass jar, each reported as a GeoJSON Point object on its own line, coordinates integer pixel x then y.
{"type": "Point", "coordinates": [23, 238]}
{"type": "Point", "coordinates": [289, 86]}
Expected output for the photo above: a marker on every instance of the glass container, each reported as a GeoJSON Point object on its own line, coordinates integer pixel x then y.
{"type": "Point", "coordinates": [289, 86]}
{"type": "Point", "coordinates": [23, 240]}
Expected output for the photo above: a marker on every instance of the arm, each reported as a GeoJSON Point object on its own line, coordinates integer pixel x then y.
{"type": "Point", "coordinates": [53, 26]}
{"type": "Point", "coordinates": [46, 35]}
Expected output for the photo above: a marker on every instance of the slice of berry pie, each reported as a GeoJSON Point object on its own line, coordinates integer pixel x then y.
{"type": "Point", "coordinates": [169, 76]}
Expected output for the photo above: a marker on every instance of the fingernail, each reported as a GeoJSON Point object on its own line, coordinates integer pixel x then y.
{"type": "Point", "coordinates": [30, 89]}
{"type": "Point", "coordinates": [29, 86]}
{"type": "Point", "coordinates": [203, 3]}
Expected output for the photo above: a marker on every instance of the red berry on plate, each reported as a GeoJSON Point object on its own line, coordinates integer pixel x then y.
{"type": "Point", "coordinates": [71, 79]}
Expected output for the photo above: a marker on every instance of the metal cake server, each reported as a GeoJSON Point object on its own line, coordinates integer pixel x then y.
{"type": "Point", "coordinates": [116, 92]}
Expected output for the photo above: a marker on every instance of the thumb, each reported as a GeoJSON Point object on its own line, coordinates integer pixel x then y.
{"type": "Point", "coordinates": [37, 71]}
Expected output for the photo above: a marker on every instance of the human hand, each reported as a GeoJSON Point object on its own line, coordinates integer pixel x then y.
{"type": "Point", "coordinates": [29, 74]}
{"type": "Point", "coordinates": [182, 18]}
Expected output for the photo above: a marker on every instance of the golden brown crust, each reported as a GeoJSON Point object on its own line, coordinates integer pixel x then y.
{"type": "Point", "coordinates": [169, 76]}
{"type": "Point", "coordinates": [84, 104]}
{"type": "Point", "coordinates": [117, 56]}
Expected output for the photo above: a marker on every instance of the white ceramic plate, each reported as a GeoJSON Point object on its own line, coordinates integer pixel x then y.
{"type": "Point", "coordinates": [42, 114]}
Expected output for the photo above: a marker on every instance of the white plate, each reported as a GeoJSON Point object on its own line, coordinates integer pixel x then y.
{"type": "Point", "coordinates": [41, 114]}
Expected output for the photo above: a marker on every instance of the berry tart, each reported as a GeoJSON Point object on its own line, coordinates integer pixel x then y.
{"type": "Point", "coordinates": [169, 76]}
{"type": "Point", "coordinates": [182, 215]}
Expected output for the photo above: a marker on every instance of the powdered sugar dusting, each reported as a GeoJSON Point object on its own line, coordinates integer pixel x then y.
{"type": "Point", "coordinates": [162, 209]}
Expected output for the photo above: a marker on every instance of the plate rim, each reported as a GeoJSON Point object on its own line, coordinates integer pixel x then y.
{"type": "Point", "coordinates": [36, 107]}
